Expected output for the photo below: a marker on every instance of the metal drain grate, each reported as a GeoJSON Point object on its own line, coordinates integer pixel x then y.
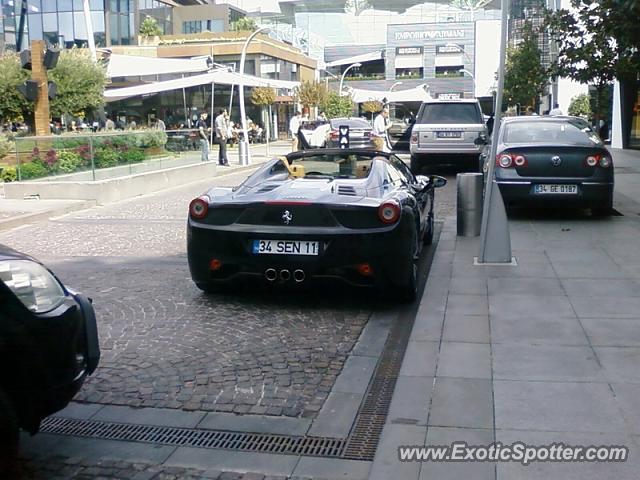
{"type": "Point", "coordinates": [194, 437]}
{"type": "Point", "coordinates": [364, 437]}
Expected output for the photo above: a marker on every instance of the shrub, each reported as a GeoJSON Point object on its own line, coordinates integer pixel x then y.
{"type": "Point", "coordinates": [33, 169]}
{"type": "Point", "coordinates": [69, 161]}
{"type": "Point", "coordinates": [6, 146]}
{"type": "Point", "coordinates": [9, 174]}
{"type": "Point", "coordinates": [132, 156]}
{"type": "Point", "coordinates": [105, 157]}
{"type": "Point", "coordinates": [151, 138]}
{"type": "Point", "coordinates": [71, 141]}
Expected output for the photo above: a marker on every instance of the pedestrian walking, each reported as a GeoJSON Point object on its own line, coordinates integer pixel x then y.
{"type": "Point", "coordinates": [380, 127]}
{"type": "Point", "coordinates": [294, 126]}
{"type": "Point", "coordinates": [221, 127]}
{"type": "Point", "coordinates": [202, 127]}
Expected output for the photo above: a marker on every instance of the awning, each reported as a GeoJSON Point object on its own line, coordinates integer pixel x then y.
{"type": "Point", "coordinates": [417, 94]}
{"type": "Point", "coordinates": [409, 61]}
{"type": "Point", "coordinates": [223, 77]}
{"type": "Point", "coordinates": [449, 61]}
{"type": "Point", "coordinates": [133, 66]}
{"type": "Point", "coordinates": [365, 57]}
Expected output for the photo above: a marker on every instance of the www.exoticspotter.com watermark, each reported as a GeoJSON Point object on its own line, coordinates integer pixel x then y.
{"type": "Point", "coordinates": [514, 452]}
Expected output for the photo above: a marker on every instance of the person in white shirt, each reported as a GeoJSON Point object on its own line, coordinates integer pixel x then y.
{"type": "Point", "coordinates": [380, 127]}
{"type": "Point", "coordinates": [294, 126]}
{"type": "Point", "coordinates": [221, 136]}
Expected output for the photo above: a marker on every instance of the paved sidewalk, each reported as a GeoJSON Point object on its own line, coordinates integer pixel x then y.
{"type": "Point", "coordinates": [546, 351]}
{"type": "Point", "coordinates": [15, 213]}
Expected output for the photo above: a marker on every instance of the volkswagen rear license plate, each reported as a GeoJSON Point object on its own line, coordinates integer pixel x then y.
{"type": "Point", "coordinates": [448, 134]}
{"type": "Point", "coordinates": [556, 189]}
{"type": "Point", "coordinates": [285, 247]}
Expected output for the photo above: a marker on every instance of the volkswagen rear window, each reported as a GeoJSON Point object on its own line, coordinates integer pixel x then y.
{"type": "Point", "coordinates": [550, 132]}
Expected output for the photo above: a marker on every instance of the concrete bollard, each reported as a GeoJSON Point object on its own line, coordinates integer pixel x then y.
{"type": "Point", "coordinates": [243, 152]}
{"type": "Point", "coordinates": [469, 205]}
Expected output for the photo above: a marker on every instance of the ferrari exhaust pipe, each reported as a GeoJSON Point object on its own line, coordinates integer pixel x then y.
{"type": "Point", "coordinates": [285, 275]}
{"type": "Point", "coordinates": [271, 274]}
{"type": "Point", "coordinates": [299, 276]}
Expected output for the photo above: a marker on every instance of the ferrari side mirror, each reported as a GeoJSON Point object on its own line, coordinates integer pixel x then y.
{"type": "Point", "coordinates": [438, 181]}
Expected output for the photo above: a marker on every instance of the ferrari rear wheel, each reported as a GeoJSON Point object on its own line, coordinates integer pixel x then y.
{"type": "Point", "coordinates": [9, 435]}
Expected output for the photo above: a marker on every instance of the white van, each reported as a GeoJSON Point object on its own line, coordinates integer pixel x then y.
{"type": "Point", "coordinates": [446, 132]}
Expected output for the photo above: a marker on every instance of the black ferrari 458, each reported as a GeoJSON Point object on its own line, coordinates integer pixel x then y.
{"type": "Point", "coordinates": [358, 216]}
{"type": "Point", "coordinates": [48, 345]}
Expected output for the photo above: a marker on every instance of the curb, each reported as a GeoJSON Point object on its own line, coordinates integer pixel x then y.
{"type": "Point", "coordinates": [28, 218]}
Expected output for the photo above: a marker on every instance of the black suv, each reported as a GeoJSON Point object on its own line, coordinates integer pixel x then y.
{"type": "Point", "coordinates": [48, 345]}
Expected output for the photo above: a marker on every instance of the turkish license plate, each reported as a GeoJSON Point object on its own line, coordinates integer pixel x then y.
{"type": "Point", "coordinates": [285, 247]}
{"type": "Point", "coordinates": [556, 189]}
{"type": "Point", "coordinates": [448, 134]}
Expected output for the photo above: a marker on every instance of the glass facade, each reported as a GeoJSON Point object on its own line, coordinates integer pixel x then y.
{"type": "Point", "coordinates": [62, 22]}
{"type": "Point", "coordinates": [198, 26]}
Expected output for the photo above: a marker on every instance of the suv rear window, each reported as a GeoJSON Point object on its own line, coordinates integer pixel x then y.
{"type": "Point", "coordinates": [450, 113]}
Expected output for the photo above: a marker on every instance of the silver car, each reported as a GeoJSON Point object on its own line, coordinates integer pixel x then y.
{"type": "Point", "coordinates": [446, 132]}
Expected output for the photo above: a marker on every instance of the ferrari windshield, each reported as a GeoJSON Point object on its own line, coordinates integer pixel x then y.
{"type": "Point", "coordinates": [332, 165]}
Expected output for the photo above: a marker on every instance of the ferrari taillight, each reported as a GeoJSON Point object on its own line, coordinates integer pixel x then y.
{"type": "Point", "coordinates": [389, 211]}
{"type": "Point", "coordinates": [199, 207]}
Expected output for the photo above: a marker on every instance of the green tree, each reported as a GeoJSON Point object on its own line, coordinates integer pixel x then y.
{"type": "Point", "coordinates": [311, 94]}
{"type": "Point", "coordinates": [580, 106]}
{"type": "Point", "coordinates": [336, 106]}
{"type": "Point", "coordinates": [13, 105]}
{"type": "Point", "coordinates": [80, 83]}
{"type": "Point", "coordinates": [244, 24]}
{"type": "Point", "coordinates": [263, 96]}
{"type": "Point", "coordinates": [356, 7]}
{"type": "Point", "coordinates": [150, 28]}
{"type": "Point", "coordinates": [525, 76]}
{"type": "Point", "coordinates": [597, 43]}
{"type": "Point", "coordinates": [372, 106]}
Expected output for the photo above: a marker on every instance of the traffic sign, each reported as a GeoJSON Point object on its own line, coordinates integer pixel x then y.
{"type": "Point", "coordinates": [343, 136]}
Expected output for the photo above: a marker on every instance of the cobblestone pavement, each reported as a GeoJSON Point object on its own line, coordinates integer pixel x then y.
{"type": "Point", "coordinates": [165, 343]}
{"type": "Point", "coordinates": [59, 468]}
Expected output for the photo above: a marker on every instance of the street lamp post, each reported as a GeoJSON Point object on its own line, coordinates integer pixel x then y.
{"type": "Point", "coordinates": [243, 144]}
{"type": "Point", "coordinates": [461, 50]}
{"type": "Point", "coordinates": [473, 79]}
{"type": "Point", "coordinates": [394, 86]}
{"type": "Point", "coordinates": [353, 65]}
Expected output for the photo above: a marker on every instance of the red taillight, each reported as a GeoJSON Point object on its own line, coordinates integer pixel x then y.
{"type": "Point", "coordinates": [199, 207]}
{"type": "Point", "coordinates": [215, 265]}
{"type": "Point", "coordinates": [520, 161]}
{"type": "Point", "coordinates": [389, 212]}
{"type": "Point", "coordinates": [591, 160]}
{"type": "Point", "coordinates": [414, 139]}
{"type": "Point", "coordinates": [334, 135]}
{"type": "Point", "coordinates": [597, 159]}
{"type": "Point", "coordinates": [364, 269]}
{"type": "Point", "coordinates": [508, 160]}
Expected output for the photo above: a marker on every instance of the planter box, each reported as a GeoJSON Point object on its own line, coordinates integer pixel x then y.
{"type": "Point", "coordinates": [110, 189]}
